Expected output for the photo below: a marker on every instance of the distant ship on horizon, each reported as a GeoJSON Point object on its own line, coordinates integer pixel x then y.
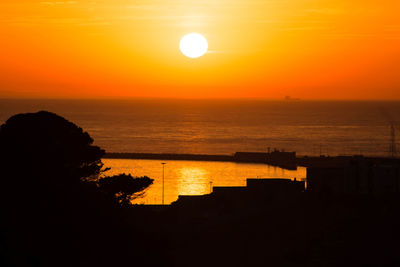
{"type": "Point", "coordinates": [289, 98]}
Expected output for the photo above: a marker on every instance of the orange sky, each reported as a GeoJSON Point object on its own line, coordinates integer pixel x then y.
{"type": "Point", "coordinates": [309, 49]}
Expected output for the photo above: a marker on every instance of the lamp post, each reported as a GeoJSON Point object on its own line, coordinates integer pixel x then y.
{"type": "Point", "coordinates": [163, 164]}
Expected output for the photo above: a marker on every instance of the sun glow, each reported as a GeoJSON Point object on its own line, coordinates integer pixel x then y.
{"type": "Point", "coordinates": [321, 49]}
{"type": "Point", "coordinates": [193, 45]}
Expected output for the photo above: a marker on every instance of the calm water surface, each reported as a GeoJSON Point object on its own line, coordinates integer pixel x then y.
{"type": "Point", "coordinates": [225, 126]}
{"type": "Point", "coordinates": [194, 177]}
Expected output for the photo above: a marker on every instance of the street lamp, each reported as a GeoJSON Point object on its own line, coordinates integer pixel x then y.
{"type": "Point", "coordinates": [163, 164]}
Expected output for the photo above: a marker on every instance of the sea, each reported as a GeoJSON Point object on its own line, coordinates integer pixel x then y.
{"type": "Point", "coordinates": [221, 127]}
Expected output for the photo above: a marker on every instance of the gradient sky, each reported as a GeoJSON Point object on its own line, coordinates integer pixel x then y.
{"type": "Point", "coordinates": [309, 49]}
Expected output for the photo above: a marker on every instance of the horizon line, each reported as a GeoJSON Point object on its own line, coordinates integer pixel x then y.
{"type": "Point", "coordinates": [283, 99]}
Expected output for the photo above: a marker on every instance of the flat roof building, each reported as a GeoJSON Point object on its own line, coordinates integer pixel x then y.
{"type": "Point", "coordinates": [255, 190]}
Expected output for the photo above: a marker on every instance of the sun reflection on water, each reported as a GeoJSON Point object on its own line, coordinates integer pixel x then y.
{"type": "Point", "coordinates": [192, 181]}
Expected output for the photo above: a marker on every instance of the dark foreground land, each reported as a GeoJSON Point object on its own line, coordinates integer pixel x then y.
{"type": "Point", "coordinates": [305, 230]}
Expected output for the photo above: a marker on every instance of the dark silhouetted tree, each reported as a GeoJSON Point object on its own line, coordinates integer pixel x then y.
{"type": "Point", "coordinates": [44, 142]}
{"type": "Point", "coordinates": [43, 160]}
{"type": "Point", "coordinates": [53, 207]}
{"type": "Point", "coordinates": [46, 157]}
{"type": "Point", "coordinates": [124, 188]}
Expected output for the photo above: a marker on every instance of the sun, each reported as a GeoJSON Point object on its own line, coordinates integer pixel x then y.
{"type": "Point", "coordinates": [193, 45]}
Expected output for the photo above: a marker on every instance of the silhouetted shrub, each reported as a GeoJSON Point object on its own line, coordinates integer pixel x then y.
{"type": "Point", "coordinates": [124, 188]}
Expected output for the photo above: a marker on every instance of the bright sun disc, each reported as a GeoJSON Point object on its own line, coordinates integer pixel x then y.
{"type": "Point", "coordinates": [193, 45]}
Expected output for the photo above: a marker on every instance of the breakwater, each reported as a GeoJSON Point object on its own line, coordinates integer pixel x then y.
{"type": "Point", "coordinates": [164, 156]}
{"type": "Point", "coordinates": [280, 159]}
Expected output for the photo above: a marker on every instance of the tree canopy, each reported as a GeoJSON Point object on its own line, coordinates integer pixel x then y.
{"type": "Point", "coordinates": [44, 155]}
{"type": "Point", "coordinates": [44, 143]}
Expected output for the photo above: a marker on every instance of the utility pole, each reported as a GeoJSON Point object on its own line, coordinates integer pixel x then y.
{"type": "Point", "coordinates": [163, 164]}
{"type": "Point", "coordinates": [393, 150]}
{"type": "Point", "coordinates": [211, 186]}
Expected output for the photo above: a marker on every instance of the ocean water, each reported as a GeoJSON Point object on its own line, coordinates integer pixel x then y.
{"type": "Point", "coordinates": [226, 126]}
